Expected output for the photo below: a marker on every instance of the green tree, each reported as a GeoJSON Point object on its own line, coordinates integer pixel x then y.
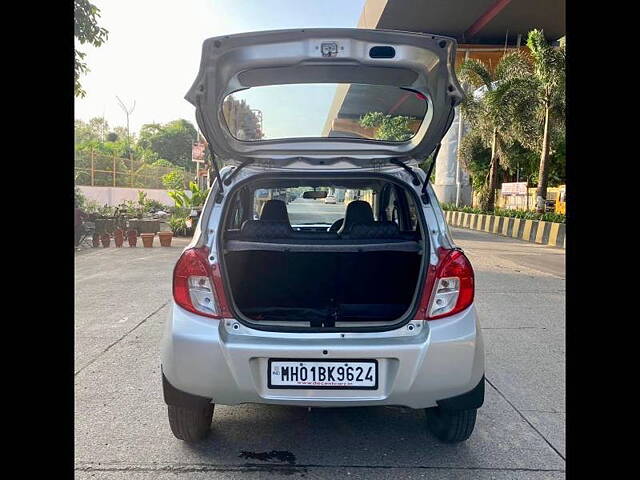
{"type": "Point", "coordinates": [535, 104]}
{"type": "Point", "coordinates": [173, 180]}
{"type": "Point", "coordinates": [79, 198]}
{"type": "Point", "coordinates": [171, 141]}
{"type": "Point", "coordinates": [86, 30]}
{"type": "Point", "coordinates": [394, 128]}
{"type": "Point", "coordinates": [94, 130]}
{"type": "Point", "coordinates": [163, 163]}
{"type": "Point", "coordinates": [475, 156]}
{"type": "Point", "coordinates": [485, 114]}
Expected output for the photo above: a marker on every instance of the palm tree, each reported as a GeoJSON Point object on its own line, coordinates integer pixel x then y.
{"type": "Point", "coordinates": [489, 126]}
{"type": "Point", "coordinates": [535, 105]}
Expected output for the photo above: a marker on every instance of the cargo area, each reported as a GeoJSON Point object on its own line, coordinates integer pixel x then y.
{"type": "Point", "coordinates": [292, 260]}
{"type": "Point", "coordinates": [323, 289]}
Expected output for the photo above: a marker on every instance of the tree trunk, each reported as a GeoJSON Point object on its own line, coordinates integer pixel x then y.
{"type": "Point", "coordinates": [543, 172]}
{"type": "Point", "coordinates": [493, 173]}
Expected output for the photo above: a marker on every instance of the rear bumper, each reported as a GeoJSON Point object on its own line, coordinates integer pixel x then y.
{"type": "Point", "coordinates": [435, 364]}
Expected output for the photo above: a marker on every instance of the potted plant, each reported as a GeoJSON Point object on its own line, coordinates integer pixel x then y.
{"type": "Point", "coordinates": [118, 237]}
{"type": "Point", "coordinates": [105, 238]}
{"type": "Point", "coordinates": [177, 224]}
{"type": "Point", "coordinates": [147, 239]}
{"type": "Point", "coordinates": [165, 238]}
{"type": "Point", "coordinates": [132, 237]}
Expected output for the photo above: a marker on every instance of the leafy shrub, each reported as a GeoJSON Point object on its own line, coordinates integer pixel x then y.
{"type": "Point", "coordinates": [198, 196]}
{"type": "Point", "coordinates": [79, 198]}
{"type": "Point", "coordinates": [465, 209]}
{"type": "Point", "coordinates": [130, 209]}
{"type": "Point", "coordinates": [173, 180]}
{"type": "Point", "coordinates": [155, 205]}
{"type": "Point", "coordinates": [163, 163]}
{"type": "Point", "coordinates": [178, 225]}
{"type": "Point", "coordinates": [106, 211]}
{"type": "Point", "coordinates": [554, 217]}
{"type": "Point", "coordinates": [503, 212]}
{"type": "Point", "coordinates": [91, 207]}
{"type": "Point", "coordinates": [178, 211]}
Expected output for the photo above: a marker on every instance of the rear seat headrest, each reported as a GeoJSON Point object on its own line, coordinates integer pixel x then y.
{"type": "Point", "coordinates": [274, 211]}
{"type": "Point", "coordinates": [258, 229]}
{"type": "Point", "coordinates": [336, 225]}
{"type": "Point", "coordinates": [357, 212]}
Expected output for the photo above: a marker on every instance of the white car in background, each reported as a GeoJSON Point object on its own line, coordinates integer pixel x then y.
{"type": "Point", "coordinates": [374, 309]}
{"type": "Point", "coordinates": [330, 199]}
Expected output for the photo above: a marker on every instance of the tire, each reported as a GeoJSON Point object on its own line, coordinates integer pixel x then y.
{"type": "Point", "coordinates": [188, 424]}
{"type": "Point", "coordinates": [451, 426]}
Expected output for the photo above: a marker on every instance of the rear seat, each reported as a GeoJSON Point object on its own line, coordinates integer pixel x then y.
{"type": "Point", "coordinates": [359, 225]}
{"type": "Point", "coordinates": [374, 230]}
{"type": "Point", "coordinates": [262, 230]}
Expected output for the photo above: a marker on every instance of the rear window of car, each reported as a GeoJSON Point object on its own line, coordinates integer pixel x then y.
{"type": "Point", "coordinates": [322, 110]}
{"type": "Point", "coordinates": [309, 211]}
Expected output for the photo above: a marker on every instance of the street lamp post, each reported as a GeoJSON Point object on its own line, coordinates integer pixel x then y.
{"type": "Point", "coordinates": [127, 112]}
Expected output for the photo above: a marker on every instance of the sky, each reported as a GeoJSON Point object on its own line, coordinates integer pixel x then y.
{"type": "Point", "coordinates": [291, 110]}
{"type": "Point", "coordinates": [153, 51]}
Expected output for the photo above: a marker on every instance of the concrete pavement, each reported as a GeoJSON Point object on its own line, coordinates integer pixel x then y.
{"type": "Point", "coordinates": [121, 428]}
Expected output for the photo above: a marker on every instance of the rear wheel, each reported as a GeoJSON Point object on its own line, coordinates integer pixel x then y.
{"type": "Point", "coordinates": [451, 426]}
{"type": "Point", "coordinates": [189, 424]}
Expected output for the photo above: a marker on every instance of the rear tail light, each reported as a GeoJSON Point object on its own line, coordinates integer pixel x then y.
{"type": "Point", "coordinates": [197, 285]}
{"type": "Point", "coordinates": [449, 288]}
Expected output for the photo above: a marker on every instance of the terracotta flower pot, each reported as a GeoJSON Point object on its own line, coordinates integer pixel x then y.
{"type": "Point", "coordinates": [96, 240]}
{"type": "Point", "coordinates": [147, 239]}
{"type": "Point", "coordinates": [132, 237]}
{"type": "Point", "coordinates": [165, 238]}
{"type": "Point", "coordinates": [105, 239]}
{"type": "Point", "coordinates": [118, 237]}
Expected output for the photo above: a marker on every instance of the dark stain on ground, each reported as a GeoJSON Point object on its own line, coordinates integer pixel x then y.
{"type": "Point", "coordinates": [281, 456]}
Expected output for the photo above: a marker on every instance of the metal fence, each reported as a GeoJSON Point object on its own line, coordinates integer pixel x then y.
{"type": "Point", "coordinates": [96, 169]}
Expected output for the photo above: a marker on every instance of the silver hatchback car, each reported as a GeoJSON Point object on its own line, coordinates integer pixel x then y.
{"type": "Point", "coordinates": [284, 299]}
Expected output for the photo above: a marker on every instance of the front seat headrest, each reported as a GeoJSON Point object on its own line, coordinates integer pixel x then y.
{"type": "Point", "coordinates": [358, 212]}
{"type": "Point", "coordinates": [274, 211]}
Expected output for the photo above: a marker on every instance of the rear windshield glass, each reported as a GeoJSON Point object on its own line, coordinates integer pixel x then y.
{"type": "Point", "coordinates": [322, 206]}
{"type": "Point", "coordinates": [316, 207]}
{"type": "Point", "coordinates": [320, 110]}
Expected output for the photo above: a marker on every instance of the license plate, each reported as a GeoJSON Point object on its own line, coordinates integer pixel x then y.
{"type": "Point", "coordinates": [322, 374]}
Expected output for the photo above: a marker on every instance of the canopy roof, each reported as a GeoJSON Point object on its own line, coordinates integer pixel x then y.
{"type": "Point", "coordinates": [480, 27]}
{"type": "Point", "coordinates": [484, 22]}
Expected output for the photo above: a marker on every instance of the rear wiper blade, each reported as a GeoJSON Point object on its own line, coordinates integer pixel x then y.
{"type": "Point", "coordinates": [235, 171]}
{"type": "Point", "coordinates": [416, 180]}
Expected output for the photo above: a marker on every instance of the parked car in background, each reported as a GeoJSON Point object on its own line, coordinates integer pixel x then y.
{"type": "Point", "coordinates": [375, 308]}
{"type": "Point", "coordinates": [330, 199]}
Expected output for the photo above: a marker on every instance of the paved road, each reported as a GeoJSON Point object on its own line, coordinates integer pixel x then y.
{"type": "Point", "coordinates": [121, 428]}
